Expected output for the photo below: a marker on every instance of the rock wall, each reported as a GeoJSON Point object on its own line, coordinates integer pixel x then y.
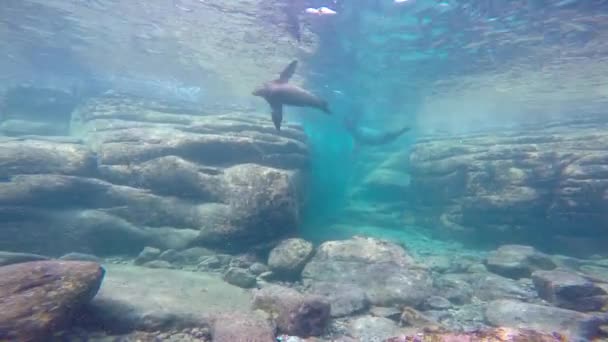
{"type": "Point", "coordinates": [539, 184]}
{"type": "Point", "coordinates": [139, 173]}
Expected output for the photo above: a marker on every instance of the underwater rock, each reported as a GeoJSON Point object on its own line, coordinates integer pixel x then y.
{"type": "Point", "coordinates": [30, 156]}
{"type": "Point", "coordinates": [8, 258]}
{"type": "Point", "coordinates": [455, 287]}
{"type": "Point", "coordinates": [519, 185]}
{"type": "Point", "coordinates": [489, 286]}
{"type": "Point", "coordinates": [15, 127]}
{"type": "Point", "coordinates": [236, 326]}
{"type": "Point", "coordinates": [344, 299]}
{"type": "Point", "coordinates": [146, 255]}
{"type": "Point", "coordinates": [81, 257]}
{"type": "Point", "coordinates": [361, 261]}
{"type": "Point", "coordinates": [414, 318]}
{"type": "Point", "coordinates": [289, 257]}
{"type": "Point", "coordinates": [459, 288]}
{"type": "Point", "coordinates": [138, 298]}
{"type": "Point", "coordinates": [258, 268]}
{"type": "Point", "coordinates": [158, 264]}
{"type": "Point", "coordinates": [263, 206]}
{"type": "Point", "coordinates": [570, 291]}
{"type": "Point", "coordinates": [517, 261]}
{"type": "Point", "coordinates": [293, 312]}
{"type": "Point", "coordinates": [242, 261]}
{"type": "Point", "coordinates": [369, 328]}
{"type": "Point", "coordinates": [171, 256]}
{"type": "Point", "coordinates": [477, 268]}
{"type": "Point", "coordinates": [212, 262]}
{"type": "Point", "coordinates": [490, 335]}
{"type": "Point", "coordinates": [147, 174]}
{"type": "Point", "coordinates": [386, 182]}
{"type": "Point", "coordinates": [239, 277]}
{"type": "Point", "coordinates": [209, 141]}
{"type": "Point", "coordinates": [40, 298]}
{"type": "Point", "coordinates": [391, 313]}
{"type": "Point", "coordinates": [468, 317]}
{"type": "Point", "coordinates": [438, 263]}
{"type": "Point", "coordinates": [437, 303]}
{"type": "Point", "coordinates": [547, 319]}
{"type": "Point", "coordinates": [193, 256]}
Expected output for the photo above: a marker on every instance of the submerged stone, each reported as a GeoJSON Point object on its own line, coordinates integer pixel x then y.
{"type": "Point", "coordinates": [170, 255]}
{"type": "Point", "coordinates": [576, 326]}
{"type": "Point", "coordinates": [570, 291]}
{"type": "Point", "coordinates": [81, 257]}
{"type": "Point", "coordinates": [40, 298]}
{"type": "Point", "coordinates": [344, 299]}
{"type": "Point", "coordinates": [146, 255]}
{"type": "Point", "coordinates": [236, 326]}
{"type": "Point", "coordinates": [240, 277]}
{"type": "Point", "coordinates": [517, 261]}
{"type": "Point", "coordinates": [361, 262]}
{"type": "Point", "coordinates": [194, 255]}
{"type": "Point", "coordinates": [293, 312]}
{"type": "Point", "coordinates": [139, 298]}
{"type": "Point", "coordinates": [258, 268]}
{"type": "Point", "coordinates": [386, 312]}
{"type": "Point", "coordinates": [370, 328]}
{"type": "Point", "coordinates": [289, 257]}
{"type": "Point", "coordinates": [437, 303]}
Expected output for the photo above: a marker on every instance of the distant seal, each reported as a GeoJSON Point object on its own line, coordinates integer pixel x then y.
{"type": "Point", "coordinates": [366, 136]}
{"type": "Point", "coordinates": [279, 93]}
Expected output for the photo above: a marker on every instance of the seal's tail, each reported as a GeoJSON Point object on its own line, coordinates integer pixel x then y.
{"type": "Point", "coordinates": [325, 107]}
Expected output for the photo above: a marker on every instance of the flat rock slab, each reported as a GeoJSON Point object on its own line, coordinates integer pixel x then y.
{"type": "Point", "coordinates": [576, 326]}
{"type": "Point", "coordinates": [39, 298]}
{"type": "Point", "coordinates": [134, 297]}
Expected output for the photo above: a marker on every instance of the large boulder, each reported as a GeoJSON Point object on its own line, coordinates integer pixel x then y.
{"type": "Point", "coordinates": [569, 290]}
{"type": "Point", "coordinates": [39, 298]}
{"type": "Point", "coordinates": [361, 261]}
{"type": "Point", "coordinates": [151, 174]}
{"type": "Point", "coordinates": [521, 185]}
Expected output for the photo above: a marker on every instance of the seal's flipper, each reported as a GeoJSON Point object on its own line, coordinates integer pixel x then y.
{"type": "Point", "coordinates": [277, 115]}
{"type": "Point", "coordinates": [288, 72]}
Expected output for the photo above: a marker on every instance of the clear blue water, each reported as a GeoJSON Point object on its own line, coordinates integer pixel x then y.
{"type": "Point", "coordinates": [505, 102]}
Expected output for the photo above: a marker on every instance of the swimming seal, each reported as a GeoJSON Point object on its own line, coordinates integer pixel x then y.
{"type": "Point", "coordinates": [366, 136]}
{"type": "Point", "coordinates": [279, 93]}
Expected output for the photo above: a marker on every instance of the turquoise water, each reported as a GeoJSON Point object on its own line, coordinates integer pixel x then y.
{"type": "Point", "coordinates": [458, 185]}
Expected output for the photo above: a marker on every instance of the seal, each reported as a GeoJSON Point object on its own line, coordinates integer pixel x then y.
{"type": "Point", "coordinates": [366, 136]}
{"type": "Point", "coordinates": [279, 93]}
